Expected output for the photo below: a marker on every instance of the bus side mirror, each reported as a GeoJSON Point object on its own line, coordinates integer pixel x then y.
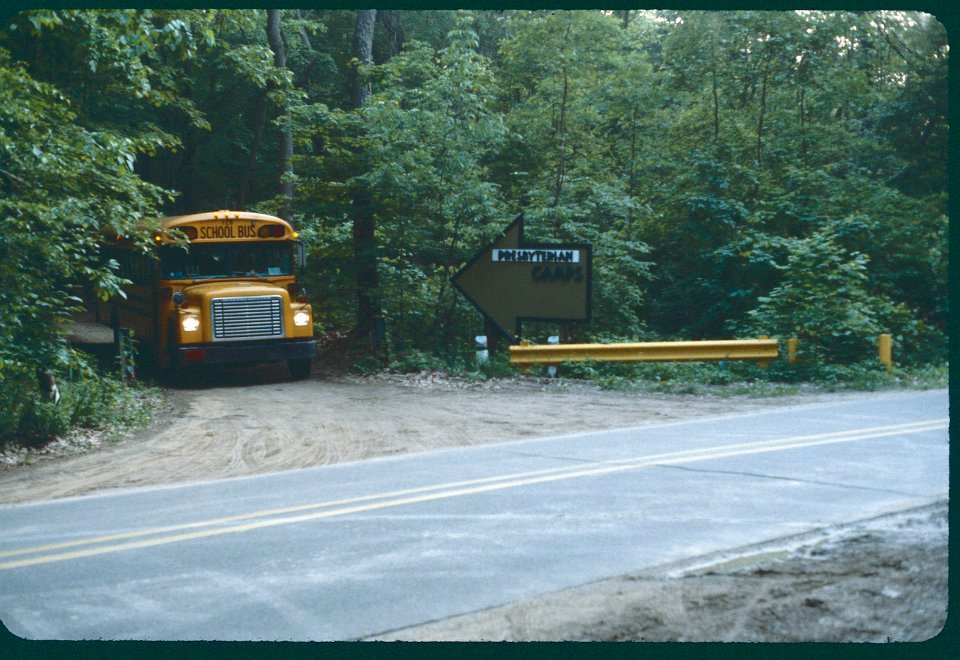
{"type": "Point", "coordinates": [301, 257]}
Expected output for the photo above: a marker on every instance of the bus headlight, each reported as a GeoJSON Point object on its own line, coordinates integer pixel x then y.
{"type": "Point", "coordinates": [301, 317]}
{"type": "Point", "coordinates": [189, 323]}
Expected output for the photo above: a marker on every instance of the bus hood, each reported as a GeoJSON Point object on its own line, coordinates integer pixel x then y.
{"type": "Point", "coordinates": [204, 292]}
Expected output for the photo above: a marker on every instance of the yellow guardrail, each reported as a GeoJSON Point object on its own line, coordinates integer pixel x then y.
{"type": "Point", "coordinates": [656, 351]}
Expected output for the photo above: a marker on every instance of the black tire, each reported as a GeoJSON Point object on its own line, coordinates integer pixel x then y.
{"type": "Point", "coordinates": [299, 368]}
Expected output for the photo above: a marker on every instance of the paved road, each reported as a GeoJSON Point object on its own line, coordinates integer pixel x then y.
{"type": "Point", "coordinates": [351, 550]}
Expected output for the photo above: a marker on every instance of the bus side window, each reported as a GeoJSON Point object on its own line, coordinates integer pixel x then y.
{"type": "Point", "coordinates": [123, 258]}
{"type": "Point", "coordinates": [140, 269]}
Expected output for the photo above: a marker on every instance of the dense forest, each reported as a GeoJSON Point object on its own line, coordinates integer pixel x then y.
{"type": "Point", "coordinates": [737, 173]}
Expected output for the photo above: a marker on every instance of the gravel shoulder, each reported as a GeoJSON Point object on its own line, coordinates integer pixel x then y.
{"type": "Point", "coordinates": [878, 580]}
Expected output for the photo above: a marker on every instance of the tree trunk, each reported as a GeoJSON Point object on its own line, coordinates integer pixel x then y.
{"type": "Point", "coordinates": [716, 97]}
{"type": "Point", "coordinates": [369, 314]}
{"type": "Point", "coordinates": [801, 94]}
{"type": "Point", "coordinates": [304, 37]}
{"type": "Point", "coordinates": [365, 260]}
{"type": "Point", "coordinates": [632, 181]}
{"type": "Point", "coordinates": [395, 36]}
{"type": "Point", "coordinates": [562, 140]}
{"type": "Point", "coordinates": [260, 120]}
{"type": "Point", "coordinates": [275, 38]}
{"type": "Point", "coordinates": [763, 111]}
{"type": "Point", "coordinates": [803, 128]}
{"type": "Point", "coordinates": [363, 54]}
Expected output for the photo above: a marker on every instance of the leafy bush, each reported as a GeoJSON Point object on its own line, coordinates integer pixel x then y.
{"type": "Point", "coordinates": [822, 300]}
{"type": "Point", "coordinates": [88, 401]}
{"type": "Point", "coordinates": [497, 366]}
{"type": "Point", "coordinates": [868, 375]}
{"type": "Point", "coordinates": [40, 422]}
{"type": "Point", "coordinates": [780, 377]}
{"type": "Point", "coordinates": [416, 361]}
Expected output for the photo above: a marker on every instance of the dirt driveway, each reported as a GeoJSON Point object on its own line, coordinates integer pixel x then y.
{"type": "Point", "coordinates": [250, 420]}
{"type": "Point", "coordinates": [241, 421]}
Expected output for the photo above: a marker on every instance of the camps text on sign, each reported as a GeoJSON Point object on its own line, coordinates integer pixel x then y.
{"type": "Point", "coordinates": [519, 256]}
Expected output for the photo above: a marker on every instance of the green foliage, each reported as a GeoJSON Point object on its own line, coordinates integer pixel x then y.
{"type": "Point", "coordinates": [37, 422]}
{"type": "Point", "coordinates": [869, 375]}
{"type": "Point", "coordinates": [674, 377]}
{"type": "Point", "coordinates": [572, 156]}
{"type": "Point", "coordinates": [496, 366]}
{"type": "Point", "coordinates": [416, 361]}
{"type": "Point", "coordinates": [424, 136]}
{"type": "Point", "coordinates": [87, 401]}
{"type": "Point", "coordinates": [742, 172]}
{"type": "Point", "coordinates": [780, 378]}
{"type": "Point", "coordinates": [822, 301]}
{"type": "Point", "coordinates": [64, 184]}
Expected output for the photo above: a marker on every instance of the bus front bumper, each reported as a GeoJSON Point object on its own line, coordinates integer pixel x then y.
{"type": "Point", "coordinates": [272, 351]}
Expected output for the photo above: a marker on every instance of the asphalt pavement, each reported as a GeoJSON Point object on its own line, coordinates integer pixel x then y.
{"type": "Point", "coordinates": [351, 550]}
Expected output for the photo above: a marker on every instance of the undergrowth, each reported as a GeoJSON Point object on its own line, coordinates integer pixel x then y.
{"type": "Point", "coordinates": [779, 378]}
{"type": "Point", "coordinates": [92, 400]}
{"type": "Point", "coordinates": [88, 401]}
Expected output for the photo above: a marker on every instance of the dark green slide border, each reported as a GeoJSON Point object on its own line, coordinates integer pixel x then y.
{"type": "Point", "coordinates": [945, 645]}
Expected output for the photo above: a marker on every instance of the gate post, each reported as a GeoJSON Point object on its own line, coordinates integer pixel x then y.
{"type": "Point", "coordinates": [885, 351]}
{"type": "Point", "coordinates": [792, 350]}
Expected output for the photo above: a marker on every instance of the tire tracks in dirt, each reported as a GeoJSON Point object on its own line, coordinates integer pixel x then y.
{"type": "Point", "coordinates": [237, 422]}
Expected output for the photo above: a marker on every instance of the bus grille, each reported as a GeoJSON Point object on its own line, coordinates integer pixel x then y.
{"type": "Point", "coordinates": [247, 317]}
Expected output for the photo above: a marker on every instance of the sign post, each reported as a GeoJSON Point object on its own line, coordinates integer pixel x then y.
{"type": "Point", "coordinates": [513, 280]}
{"type": "Point", "coordinates": [123, 341]}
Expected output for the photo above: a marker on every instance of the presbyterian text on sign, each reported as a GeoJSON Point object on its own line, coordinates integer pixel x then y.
{"type": "Point", "coordinates": [519, 256]}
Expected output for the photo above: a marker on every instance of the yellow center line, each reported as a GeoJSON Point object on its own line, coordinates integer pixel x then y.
{"type": "Point", "coordinates": [398, 493]}
{"type": "Point", "coordinates": [444, 491]}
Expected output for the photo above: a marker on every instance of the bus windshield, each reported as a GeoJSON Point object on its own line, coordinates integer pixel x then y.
{"type": "Point", "coordinates": [210, 260]}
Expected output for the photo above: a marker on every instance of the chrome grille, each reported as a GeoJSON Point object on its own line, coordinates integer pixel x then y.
{"type": "Point", "coordinates": [247, 317]}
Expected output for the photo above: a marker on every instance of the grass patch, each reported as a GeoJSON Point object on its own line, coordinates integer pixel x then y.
{"type": "Point", "coordinates": [722, 378]}
{"type": "Point", "coordinates": [714, 378]}
{"type": "Point", "coordinates": [741, 378]}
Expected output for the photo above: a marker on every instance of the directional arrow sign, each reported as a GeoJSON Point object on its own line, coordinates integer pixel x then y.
{"type": "Point", "coordinates": [512, 280]}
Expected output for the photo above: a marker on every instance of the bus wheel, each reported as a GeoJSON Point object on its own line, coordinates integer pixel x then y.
{"type": "Point", "coordinates": [299, 368]}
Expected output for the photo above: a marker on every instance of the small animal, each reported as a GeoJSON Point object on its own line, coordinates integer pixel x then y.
{"type": "Point", "coordinates": [48, 386]}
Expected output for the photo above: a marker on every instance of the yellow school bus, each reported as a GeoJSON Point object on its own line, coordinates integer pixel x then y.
{"type": "Point", "coordinates": [221, 288]}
